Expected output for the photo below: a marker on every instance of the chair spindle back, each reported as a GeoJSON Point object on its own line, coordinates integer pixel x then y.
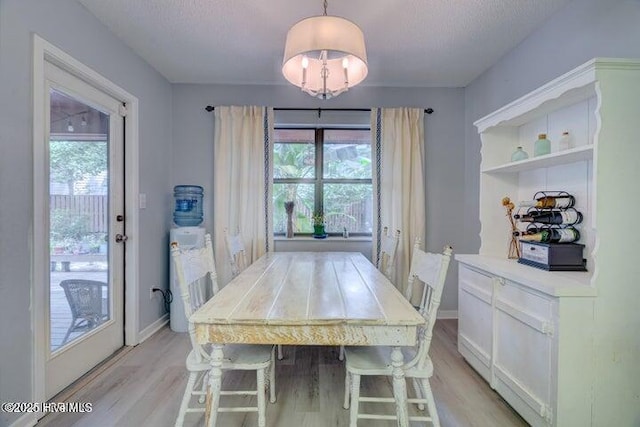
{"type": "Point", "coordinates": [197, 278]}
{"type": "Point", "coordinates": [431, 271]}
{"type": "Point", "coordinates": [388, 249]}
{"type": "Point", "coordinates": [237, 256]}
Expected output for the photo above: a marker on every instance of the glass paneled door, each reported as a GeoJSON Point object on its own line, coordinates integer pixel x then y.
{"type": "Point", "coordinates": [85, 228]}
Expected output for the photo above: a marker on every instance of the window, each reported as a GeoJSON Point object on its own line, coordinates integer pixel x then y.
{"type": "Point", "coordinates": [323, 170]}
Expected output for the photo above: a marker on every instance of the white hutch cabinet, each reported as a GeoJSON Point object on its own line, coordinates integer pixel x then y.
{"type": "Point", "coordinates": [563, 348]}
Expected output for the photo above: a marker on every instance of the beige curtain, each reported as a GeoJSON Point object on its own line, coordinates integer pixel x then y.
{"type": "Point", "coordinates": [242, 182]}
{"type": "Point", "coordinates": [398, 182]}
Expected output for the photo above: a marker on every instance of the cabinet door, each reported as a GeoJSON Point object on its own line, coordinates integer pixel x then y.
{"type": "Point", "coordinates": [523, 352]}
{"type": "Point", "coordinates": [475, 290]}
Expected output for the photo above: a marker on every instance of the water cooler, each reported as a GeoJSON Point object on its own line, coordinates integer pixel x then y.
{"type": "Point", "coordinates": [187, 216]}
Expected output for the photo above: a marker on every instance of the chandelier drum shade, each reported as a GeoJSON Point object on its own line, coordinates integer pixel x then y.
{"type": "Point", "coordinates": [325, 56]}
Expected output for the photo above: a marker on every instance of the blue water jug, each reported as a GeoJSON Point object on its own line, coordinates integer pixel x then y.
{"type": "Point", "coordinates": [188, 209]}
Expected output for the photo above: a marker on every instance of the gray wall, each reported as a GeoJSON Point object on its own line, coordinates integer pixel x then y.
{"type": "Point", "coordinates": [444, 136]}
{"type": "Point", "coordinates": [72, 28]}
{"type": "Point", "coordinates": [582, 30]}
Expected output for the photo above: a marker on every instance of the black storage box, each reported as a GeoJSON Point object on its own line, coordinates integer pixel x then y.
{"type": "Point", "coordinates": [553, 256]}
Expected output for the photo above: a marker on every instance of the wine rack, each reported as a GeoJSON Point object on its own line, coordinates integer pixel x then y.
{"type": "Point", "coordinates": [553, 250]}
{"type": "Point", "coordinates": [574, 216]}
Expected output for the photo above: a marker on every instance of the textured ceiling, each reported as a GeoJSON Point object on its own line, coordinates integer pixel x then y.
{"type": "Point", "coordinates": [415, 43]}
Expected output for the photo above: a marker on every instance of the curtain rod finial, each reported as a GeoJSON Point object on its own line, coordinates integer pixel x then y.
{"type": "Point", "coordinates": [429, 110]}
{"type": "Point", "coordinates": [209, 108]}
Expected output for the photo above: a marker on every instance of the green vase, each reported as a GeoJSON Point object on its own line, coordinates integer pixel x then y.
{"type": "Point", "coordinates": [318, 230]}
{"type": "Point", "coordinates": [519, 154]}
{"type": "Point", "coordinates": [542, 146]}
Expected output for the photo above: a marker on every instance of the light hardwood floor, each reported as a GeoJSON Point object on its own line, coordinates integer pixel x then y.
{"type": "Point", "coordinates": [145, 385]}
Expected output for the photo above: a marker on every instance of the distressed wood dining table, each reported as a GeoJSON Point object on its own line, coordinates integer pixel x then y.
{"type": "Point", "coordinates": [308, 298]}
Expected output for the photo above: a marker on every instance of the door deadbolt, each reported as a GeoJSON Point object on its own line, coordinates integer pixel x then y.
{"type": "Point", "coordinates": [121, 238]}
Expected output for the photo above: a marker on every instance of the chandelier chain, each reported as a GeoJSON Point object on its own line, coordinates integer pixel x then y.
{"type": "Point", "coordinates": [325, 8]}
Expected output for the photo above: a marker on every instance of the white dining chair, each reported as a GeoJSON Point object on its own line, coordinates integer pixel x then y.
{"type": "Point", "coordinates": [431, 270]}
{"type": "Point", "coordinates": [236, 252]}
{"type": "Point", "coordinates": [388, 249]}
{"type": "Point", "coordinates": [238, 261]}
{"type": "Point", "coordinates": [196, 276]}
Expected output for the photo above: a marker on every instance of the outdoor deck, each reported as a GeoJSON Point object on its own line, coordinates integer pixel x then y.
{"type": "Point", "coordinates": [60, 311]}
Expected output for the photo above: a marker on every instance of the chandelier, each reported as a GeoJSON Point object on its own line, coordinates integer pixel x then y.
{"type": "Point", "coordinates": [325, 55]}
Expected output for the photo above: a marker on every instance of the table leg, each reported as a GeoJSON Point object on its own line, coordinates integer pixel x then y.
{"type": "Point", "coordinates": [215, 382]}
{"type": "Point", "coordinates": [399, 387]}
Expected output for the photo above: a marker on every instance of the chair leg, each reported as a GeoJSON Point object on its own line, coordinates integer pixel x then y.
{"type": "Point", "coordinates": [72, 327]}
{"type": "Point", "coordinates": [280, 355]}
{"type": "Point", "coordinates": [203, 386]}
{"type": "Point", "coordinates": [191, 382]}
{"type": "Point", "coordinates": [355, 400]}
{"type": "Point", "coordinates": [261, 398]}
{"type": "Point", "coordinates": [66, 337]}
{"type": "Point", "coordinates": [272, 380]}
{"type": "Point", "coordinates": [418, 390]}
{"type": "Point", "coordinates": [347, 389]}
{"type": "Point", "coordinates": [431, 403]}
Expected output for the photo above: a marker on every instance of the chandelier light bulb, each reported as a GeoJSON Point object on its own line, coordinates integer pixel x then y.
{"type": "Point", "coordinates": [305, 62]}
{"type": "Point", "coordinates": [70, 126]}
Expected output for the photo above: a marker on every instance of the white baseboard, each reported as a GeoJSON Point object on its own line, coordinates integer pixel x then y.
{"type": "Point", "coordinates": [144, 334]}
{"type": "Point", "coordinates": [447, 314]}
{"type": "Point", "coordinates": [26, 420]}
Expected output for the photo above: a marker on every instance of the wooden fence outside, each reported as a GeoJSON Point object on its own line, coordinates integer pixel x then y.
{"type": "Point", "coordinates": [94, 208]}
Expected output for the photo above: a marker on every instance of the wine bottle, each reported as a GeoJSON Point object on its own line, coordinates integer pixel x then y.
{"type": "Point", "coordinates": [531, 229]}
{"type": "Point", "coordinates": [559, 202]}
{"type": "Point", "coordinates": [569, 217]}
{"type": "Point", "coordinates": [553, 235]}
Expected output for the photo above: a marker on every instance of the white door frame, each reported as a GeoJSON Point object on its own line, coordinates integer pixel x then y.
{"type": "Point", "coordinates": [45, 51]}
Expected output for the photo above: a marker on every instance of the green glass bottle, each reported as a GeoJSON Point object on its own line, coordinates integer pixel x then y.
{"type": "Point", "coordinates": [519, 154]}
{"type": "Point", "coordinates": [542, 146]}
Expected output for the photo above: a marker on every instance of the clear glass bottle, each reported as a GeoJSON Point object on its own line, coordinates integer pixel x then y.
{"type": "Point", "coordinates": [565, 142]}
{"type": "Point", "coordinates": [519, 154]}
{"type": "Point", "coordinates": [542, 146]}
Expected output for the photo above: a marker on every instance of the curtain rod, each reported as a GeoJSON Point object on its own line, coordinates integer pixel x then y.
{"type": "Point", "coordinates": [210, 108]}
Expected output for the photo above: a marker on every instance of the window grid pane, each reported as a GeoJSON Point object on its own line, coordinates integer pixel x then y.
{"type": "Point", "coordinates": [347, 154]}
{"type": "Point", "coordinates": [302, 196]}
{"type": "Point", "coordinates": [294, 153]}
{"type": "Point", "coordinates": [347, 206]}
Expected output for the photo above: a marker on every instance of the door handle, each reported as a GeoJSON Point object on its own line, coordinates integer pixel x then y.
{"type": "Point", "coordinates": [120, 238]}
